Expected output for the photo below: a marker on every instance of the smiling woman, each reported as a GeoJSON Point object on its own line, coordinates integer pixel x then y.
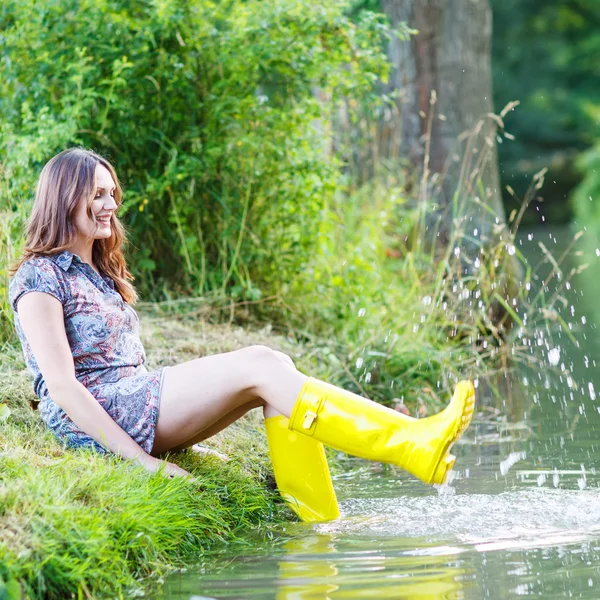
{"type": "Point", "coordinates": [89, 364]}
{"type": "Point", "coordinates": [90, 343]}
{"type": "Point", "coordinates": [93, 220]}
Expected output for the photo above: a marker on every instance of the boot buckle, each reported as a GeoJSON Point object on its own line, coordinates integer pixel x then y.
{"type": "Point", "coordinates": [309, 419]}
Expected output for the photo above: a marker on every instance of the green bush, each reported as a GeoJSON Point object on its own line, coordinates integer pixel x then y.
{"type": "Point", "coordinates": [212, 112]}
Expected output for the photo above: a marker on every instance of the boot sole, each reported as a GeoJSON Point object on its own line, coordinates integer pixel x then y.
{"type": "Point", "coordinates": [447, 460]}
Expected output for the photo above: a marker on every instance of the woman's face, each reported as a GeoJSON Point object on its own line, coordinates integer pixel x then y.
{"type": "Point", "coordinates": [103, 208]}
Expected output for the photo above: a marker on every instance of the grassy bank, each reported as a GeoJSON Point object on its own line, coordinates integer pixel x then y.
{"type": "Point", "coordinates": [82, 525]}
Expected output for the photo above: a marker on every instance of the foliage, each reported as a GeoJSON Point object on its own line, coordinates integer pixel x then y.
{"type": "Point", "coordinates": [587, 195]}
{"type": "Point", "coordinates": [10, 232]}
{"type": "Point", "coordinates": [211, 112]}
{"type": "Point", "coordinates": [544, 54]}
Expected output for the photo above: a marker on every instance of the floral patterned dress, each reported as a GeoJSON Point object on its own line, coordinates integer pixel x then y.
{"type": "Point", "coordinates": [103, 333]}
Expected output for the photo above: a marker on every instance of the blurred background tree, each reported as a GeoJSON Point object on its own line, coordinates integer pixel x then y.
{"type": "Point", "coordinates": [441, 125]}
{"type": "Point", "coordinates": [546, 55]}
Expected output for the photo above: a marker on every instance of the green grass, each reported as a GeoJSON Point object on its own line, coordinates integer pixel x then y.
{"type": "Point", "coordinates": [76, 524]}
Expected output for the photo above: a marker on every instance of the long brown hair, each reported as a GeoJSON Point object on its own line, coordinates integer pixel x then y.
{"type": "Point", "coordinates": [66, 179]}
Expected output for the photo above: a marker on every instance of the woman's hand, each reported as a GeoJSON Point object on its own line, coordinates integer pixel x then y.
{"type": "Point", "coordinates": [171, 470]}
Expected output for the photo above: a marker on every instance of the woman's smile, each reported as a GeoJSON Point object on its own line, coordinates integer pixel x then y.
{"type": "Point", "coordinates": [104, 219]}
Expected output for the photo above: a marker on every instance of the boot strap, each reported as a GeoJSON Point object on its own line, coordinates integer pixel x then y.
{"type": "Point", "coordinates": [309, 418]}
{"type": "Point", "coordinates": [305, 414]}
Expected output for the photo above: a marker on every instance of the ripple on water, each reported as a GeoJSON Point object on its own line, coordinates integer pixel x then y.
{"type": "Point", "coordinates": [521, 518]}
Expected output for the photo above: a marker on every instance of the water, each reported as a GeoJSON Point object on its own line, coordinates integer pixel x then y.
{"type": "Point", "coordinates": [520, 519]}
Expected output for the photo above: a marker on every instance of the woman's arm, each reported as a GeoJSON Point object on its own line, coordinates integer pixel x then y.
{"type": "Point", "coordinates": [73, 397]}
{"type": "Point", "coordinates": [42, 321]}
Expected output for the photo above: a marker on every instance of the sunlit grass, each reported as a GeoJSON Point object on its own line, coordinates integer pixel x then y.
{"type": "Point", "coordinates": [74, 522]}
{"type": "Point", "coordinates": [83, 525]}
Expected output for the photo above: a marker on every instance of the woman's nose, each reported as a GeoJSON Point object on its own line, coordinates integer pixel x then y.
{"type": "Point", "coordinates": [111, 204]}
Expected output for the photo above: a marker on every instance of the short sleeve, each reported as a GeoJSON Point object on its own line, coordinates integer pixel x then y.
{"type": "Point", "coordinates": [35, 275]}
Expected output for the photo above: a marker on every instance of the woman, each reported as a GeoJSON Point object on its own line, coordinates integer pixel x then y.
{"type": "Point", "coordinates": [71, 295]}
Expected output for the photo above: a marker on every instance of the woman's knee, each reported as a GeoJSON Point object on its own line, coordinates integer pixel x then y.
{"type": "Point", "coordinates": [261, 362]}
{"type": "Point", "coordinates": [285, 358]}
{"type": "Point", "coordinates": [257, 355]}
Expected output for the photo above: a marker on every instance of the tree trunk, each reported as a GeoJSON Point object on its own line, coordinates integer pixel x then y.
{"type": "Point", "coordinates": [443, 77]}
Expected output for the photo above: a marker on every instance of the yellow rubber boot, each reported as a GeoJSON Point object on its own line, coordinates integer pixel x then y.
{"type": "Point", "coordinates": [301, 472]}
{"type": "Point", "coordinates": [369, 430]}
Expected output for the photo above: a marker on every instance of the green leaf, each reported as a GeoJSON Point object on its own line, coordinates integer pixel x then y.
{"type": "Point", "coordinates": [4, 413]}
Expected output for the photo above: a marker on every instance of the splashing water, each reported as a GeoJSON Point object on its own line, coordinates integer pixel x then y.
{"type": "Point", "coordinates": [520, 517]}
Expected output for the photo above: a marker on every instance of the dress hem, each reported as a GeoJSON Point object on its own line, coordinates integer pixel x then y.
{"type": "Point", "coordinates": [160, 387]}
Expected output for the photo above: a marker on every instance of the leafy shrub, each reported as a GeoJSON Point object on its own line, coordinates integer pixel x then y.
{"type": "Point", "coordinates": [212, 113]}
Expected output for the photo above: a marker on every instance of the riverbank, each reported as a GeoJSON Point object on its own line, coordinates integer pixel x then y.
{"type": "Point", "coordinates": [83, 525]}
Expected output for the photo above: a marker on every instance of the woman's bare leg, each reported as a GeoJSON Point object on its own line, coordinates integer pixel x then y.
{"type": "Point", "coordinates": [226, 421]}
{"type": "Point", "coordinates": [217, 426]}
{"type": "Point", "coordinates": [202, 396]}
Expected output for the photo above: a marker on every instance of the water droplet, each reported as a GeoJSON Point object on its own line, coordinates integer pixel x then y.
{"type": "Point", "coordinates": [511, 250]}
{"type": "Point", "coordinates": [359, 362]}
{"type": "Point", "coordinates": [426, 300]}
{"type": "Point", "coordinates": [512, 459]}
{"type": "Point", "coordinates": [554, 356]}
{"type": "Point", "coordinates": [361, 312]}
{"type": "Point", "coordinates": [591, 390]}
